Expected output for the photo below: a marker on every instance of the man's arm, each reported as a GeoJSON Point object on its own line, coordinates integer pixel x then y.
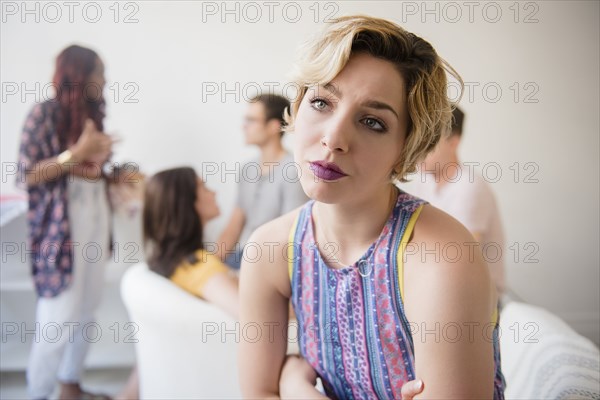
{"type": "Point", "coordinates": [222, 291]}
{"type": "Point", "coordinates": [231, 234]}
{"type": "Point", "coordinates": [479, 215]}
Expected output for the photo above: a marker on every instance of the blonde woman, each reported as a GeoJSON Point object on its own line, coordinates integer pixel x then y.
{"type": "Point", "coordinates": [378, 303]}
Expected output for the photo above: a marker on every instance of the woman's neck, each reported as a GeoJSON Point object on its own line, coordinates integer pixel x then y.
{"type": "Point", "coordinates": [353, 227]}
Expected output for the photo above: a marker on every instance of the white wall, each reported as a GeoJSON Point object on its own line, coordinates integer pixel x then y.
{"type": "Point", "coordinates": [174, 49]}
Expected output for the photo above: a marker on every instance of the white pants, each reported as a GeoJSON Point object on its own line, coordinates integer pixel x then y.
{"type": "Point", "coordinates": [62, 338]}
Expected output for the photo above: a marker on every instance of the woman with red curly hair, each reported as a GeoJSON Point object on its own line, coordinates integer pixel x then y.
{"type": "Point", "coordinates": [62, 153]}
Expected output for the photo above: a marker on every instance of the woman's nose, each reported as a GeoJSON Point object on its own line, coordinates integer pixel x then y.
{"type": "Point", "coordinates": [337, 137]}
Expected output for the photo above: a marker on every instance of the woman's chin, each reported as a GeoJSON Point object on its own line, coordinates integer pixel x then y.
{"type": "Point", "coordinates": [323, 192]}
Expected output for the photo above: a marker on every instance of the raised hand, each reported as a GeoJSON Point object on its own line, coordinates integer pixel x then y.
{"type": "Point", "coordinates": [93, 145]}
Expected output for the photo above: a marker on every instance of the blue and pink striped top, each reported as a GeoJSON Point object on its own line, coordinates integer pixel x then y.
{"type": "Point", "coordinates": [352, 327]}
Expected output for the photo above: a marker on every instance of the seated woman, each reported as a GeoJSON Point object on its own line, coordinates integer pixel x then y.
{"type": "Point", "coordinates": [177, 206]}
{"type": "Point", "coordinates": [386, 288]}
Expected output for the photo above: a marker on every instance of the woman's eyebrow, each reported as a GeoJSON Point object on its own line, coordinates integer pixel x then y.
{"type": "Point", "coordinates": [333, 89]}
{"type": "Point", "coordinates": [380, 106]}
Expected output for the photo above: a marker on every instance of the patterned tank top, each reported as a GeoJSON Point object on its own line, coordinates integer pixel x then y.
{"type": "Point", "coordinates": [352, 328]}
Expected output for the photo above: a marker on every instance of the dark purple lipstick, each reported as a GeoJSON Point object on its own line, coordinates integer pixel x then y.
{"type": "Point", "coordinates": [327, 171]}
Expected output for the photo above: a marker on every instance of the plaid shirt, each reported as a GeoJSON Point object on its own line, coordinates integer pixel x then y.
{"type": "Point", "coordinates": [51, 248]}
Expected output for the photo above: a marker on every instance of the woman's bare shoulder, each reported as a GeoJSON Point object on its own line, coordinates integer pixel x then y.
{"type": "Point", "coordinates": [445, 265]}
{"type": "Point", "coordinates": [436, 225]}
{"type": "Point", "coordinates": [266, 251]}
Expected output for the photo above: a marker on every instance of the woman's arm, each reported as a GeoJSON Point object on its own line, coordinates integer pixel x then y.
{"type": "Point", "coordinates": [449, 301]}
{"type": "Point", "coordinates": [298, 380]}
{"type": "Point", "coordinates": [222, 290]}
{"type": "Point", "coordinates": [47, 170]}
{"type": "Point", "coordinates": [50, 169]}
{"type": "Point", "coordinates": [91, 143]}
{"type": "Point", "coordinates": [264, 295]}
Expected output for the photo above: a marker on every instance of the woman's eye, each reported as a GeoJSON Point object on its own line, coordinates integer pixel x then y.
{"type": "Point", "coordinates": [318, 104]}
{"type": "Point", "coordinates": [374, 124]}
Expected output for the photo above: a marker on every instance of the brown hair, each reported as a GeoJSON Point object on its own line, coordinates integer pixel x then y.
{"type": "Point", "coordinates": [275, 107]}
{"type": "Point", "coordinates": [424, 72]}
{"type": "Point", "coordinates": [172, 226]}
{"type": "Point", "coordinates": [458, 117]}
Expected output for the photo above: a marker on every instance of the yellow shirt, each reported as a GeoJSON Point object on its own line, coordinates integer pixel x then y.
{"type": "Point", "coordinates": [193, 277]}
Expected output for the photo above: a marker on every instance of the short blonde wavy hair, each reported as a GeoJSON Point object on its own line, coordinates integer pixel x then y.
{"type": "Point", "coordinates": [424, 73]}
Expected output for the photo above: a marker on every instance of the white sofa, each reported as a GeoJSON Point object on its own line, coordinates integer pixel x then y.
{"type": "Point", "coordinates": [544, 358]}
{"type": "Point", "coordinates": [181, 353]}
{"type": "Point", "coordinates": [186, 348]}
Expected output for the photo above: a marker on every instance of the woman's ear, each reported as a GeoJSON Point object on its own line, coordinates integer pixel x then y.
{"type": "Point", "coordinates": [395, 173]}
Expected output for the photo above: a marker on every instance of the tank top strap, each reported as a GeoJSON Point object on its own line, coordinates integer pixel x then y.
{"type": "Point", "coordinates": [410, 209]}
{"type": "Point", "coordinates": [296, 236]}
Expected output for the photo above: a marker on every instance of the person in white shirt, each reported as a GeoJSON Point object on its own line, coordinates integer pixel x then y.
{"type": "Point", "coordinates": [459, 190]}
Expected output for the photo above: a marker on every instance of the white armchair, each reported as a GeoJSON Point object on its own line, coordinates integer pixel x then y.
{"type": "Point", "coordinates": [186, 348]}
